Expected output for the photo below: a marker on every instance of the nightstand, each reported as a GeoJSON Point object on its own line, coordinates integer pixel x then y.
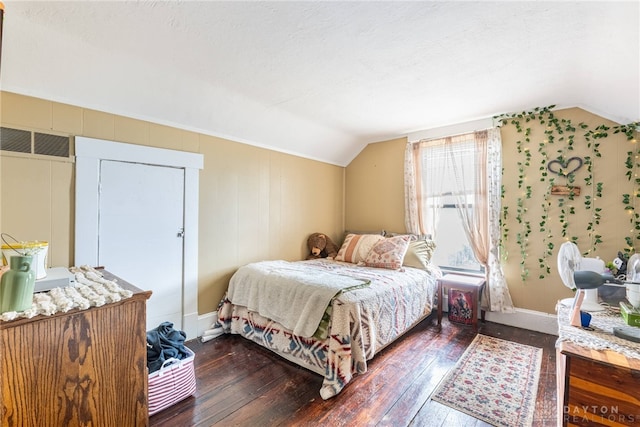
{"type": "Point", "coordinates": [473, 284]}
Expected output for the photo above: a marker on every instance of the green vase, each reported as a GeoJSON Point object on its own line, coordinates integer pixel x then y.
{"type": "Point", "coordinates": [16, 285]}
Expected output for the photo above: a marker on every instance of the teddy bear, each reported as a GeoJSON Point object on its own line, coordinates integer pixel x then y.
{"type": "Point", "coordinates": [321, 246]}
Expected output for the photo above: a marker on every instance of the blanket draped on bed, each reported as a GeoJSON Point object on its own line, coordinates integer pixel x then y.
{"type": "Point", "coordinates": [289, 293]}
{"type": "Point", "coordinates": [363, 321]}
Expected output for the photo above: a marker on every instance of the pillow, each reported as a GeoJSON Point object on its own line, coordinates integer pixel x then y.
{"type": "Point", "coordinates": [420, 249]}
{"type": "Point", "coordinates": [413, 236]}
{"type": "Point", "coordinates": [388, 253]}
{"type": "Point", "coordinates": [419, 253]}
{"type": "Point", "coordinates": [356, 247]}
{"type": "Point", "coordinates": [380, 232]}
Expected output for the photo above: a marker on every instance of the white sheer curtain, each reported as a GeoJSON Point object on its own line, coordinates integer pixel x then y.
{"type": "Point", "coordinates": [474, 160]}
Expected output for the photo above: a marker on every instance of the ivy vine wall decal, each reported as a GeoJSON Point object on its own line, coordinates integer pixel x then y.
{"type": "Point", "coordinates": [551, 158]}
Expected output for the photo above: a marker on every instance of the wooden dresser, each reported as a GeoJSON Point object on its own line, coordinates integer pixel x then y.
{"type": "Point", "coordinates": [596, 387]}
{"type": "Point", "coordinates": [80, 368]}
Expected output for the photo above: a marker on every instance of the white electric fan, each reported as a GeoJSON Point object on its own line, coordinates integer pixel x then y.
{"type": "Point", "coordinates": [569, 261]}
{"type": "Point", "coordinates": [632, 281]}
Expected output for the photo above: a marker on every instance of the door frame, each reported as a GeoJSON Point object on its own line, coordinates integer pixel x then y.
{"type": "Point", "coordinates": [89, 152]}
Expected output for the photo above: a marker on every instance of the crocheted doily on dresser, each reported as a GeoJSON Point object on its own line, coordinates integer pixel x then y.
{"type": "Point", "coordinates": [600, 337]}
{"type": "Point", "coordinates": [91, 290]}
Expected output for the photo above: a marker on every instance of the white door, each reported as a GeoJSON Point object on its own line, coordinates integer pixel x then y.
{"type": "Point", "coordinates": [90, 155]}
{"type": "Point", "coordinates": [140, 229]}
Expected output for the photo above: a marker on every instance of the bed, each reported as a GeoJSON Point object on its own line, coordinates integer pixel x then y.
{"type": "Point", "coordinates": [367, 307]}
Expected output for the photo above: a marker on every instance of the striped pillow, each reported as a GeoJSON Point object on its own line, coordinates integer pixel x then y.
{"type": "Point", "coordinates": [356, 247]}
{"type": "Point", "coordinates": [388, 253]}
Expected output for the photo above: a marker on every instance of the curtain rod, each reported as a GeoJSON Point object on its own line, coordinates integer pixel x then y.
{"type": "Point", "coordinates": [452, 130]}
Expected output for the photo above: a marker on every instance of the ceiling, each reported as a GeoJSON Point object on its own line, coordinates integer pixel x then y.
{"type": "Point", "coordinates": [323, 79]}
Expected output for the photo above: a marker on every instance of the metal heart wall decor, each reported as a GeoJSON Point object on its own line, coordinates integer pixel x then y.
{"type": "Point", "coordinates": [565, 168]}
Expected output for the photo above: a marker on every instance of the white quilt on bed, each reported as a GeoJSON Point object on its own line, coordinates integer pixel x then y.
{"type": "Point", "coordinates": [293, 294]}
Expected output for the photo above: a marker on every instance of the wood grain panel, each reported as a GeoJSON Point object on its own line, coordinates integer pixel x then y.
{"type": "Point", "coordinates": [602, 393]}
{"type": "Point", "coordinates": [83, 368]}
{"type": "Point", "coordinates": [601, 390]}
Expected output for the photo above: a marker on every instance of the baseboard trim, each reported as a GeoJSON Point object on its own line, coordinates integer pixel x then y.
{"type": "Point", "coordinates": [526, 319]}
{"type": "Point", "coordinates": [190, 325]}
{"type": "Point", "coordinates": [205, 321]}
{"type": "Point", "coordinates": [522, 318]}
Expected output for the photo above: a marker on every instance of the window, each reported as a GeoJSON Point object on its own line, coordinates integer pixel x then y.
{"type": "Point", "coordinates": [450, 182]}
{"type": "Point", "coordinates": [452, 192]}
{"type": "Point", "coordinates": [453, 250]}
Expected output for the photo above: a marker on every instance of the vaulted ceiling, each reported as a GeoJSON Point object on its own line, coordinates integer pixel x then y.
{"type": "Point", "coordinates": [321, 79]}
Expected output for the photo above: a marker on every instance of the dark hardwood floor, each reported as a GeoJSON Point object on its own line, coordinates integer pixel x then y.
{"type": "Point", "coordinates": [241, 384]}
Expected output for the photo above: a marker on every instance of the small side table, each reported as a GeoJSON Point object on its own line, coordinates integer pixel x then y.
{"type": "Point", "coordinates": [462, 283]}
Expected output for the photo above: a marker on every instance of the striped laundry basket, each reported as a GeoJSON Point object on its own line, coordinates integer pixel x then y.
{"type": "Point", "coordinates": [173, 382]}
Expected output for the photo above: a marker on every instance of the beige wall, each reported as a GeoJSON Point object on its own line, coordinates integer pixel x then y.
{"type": "Point", "coordinates": [254, 203]}
{"type": "Point", "coordinates": [374, 188]}
{"type": "Point", "coordinates": [261, 204]}
{"type": "Point", "coordinates": [541, 294]}
{"type": "Point", "coordinates": [374, 200]}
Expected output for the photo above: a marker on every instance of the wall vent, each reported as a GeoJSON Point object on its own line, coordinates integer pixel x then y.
{"type": "Point", "coordinates": [23, 141]}
{"type": "Point", "coordinates": [50, 145]}
{"type": "Point", "coordinates": [15, 140]}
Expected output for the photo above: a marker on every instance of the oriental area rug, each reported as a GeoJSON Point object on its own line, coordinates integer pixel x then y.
{"type": "Point", "coordinates": [495, 381]}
